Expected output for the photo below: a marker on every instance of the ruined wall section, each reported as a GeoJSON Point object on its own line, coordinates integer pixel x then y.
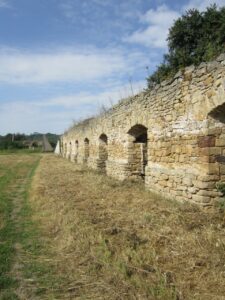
{"type": "Point", "coordinates": [182, 161]}
{"type": "Point", "coordinates": [185, 135]}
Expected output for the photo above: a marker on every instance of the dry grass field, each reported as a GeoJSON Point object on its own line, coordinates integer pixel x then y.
{"type": "Point", "coordinates": [87, 236]}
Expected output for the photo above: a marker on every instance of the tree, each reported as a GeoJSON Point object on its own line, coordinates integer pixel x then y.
{"type": "Point", "coordinates": [194, 37]}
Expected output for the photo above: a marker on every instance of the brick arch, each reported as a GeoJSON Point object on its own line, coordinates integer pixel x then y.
{"type": "Point", "coordinates": [65, 149]}
{"type": "Point", "coordinates": [216, 101]}
{"type": "Point", "coordinates": [139, 133]}
{"type": "Point", "coordinates": [102, 152]}
{"type": "Point", "coordinates": [86, 149]}
{"type": "Point", "coordinates": [137, 150]}
{"type": "Point", "coordinates": [136, 122]}
{"type": "Point", "coordinates": [103, 139]}
{"type": "Point", "coordinates": [218, 113]}
{"type": "Point", "coordinates": [70, 150]}
{"type": "Point", "coordinates": [76, 152]}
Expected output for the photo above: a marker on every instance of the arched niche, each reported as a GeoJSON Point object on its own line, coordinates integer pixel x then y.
{"type": "Point", "coordinates": [76, 151]}
{"type": "Point", "coordinates": [61, 147]}
{"type": "Point", "coordinates": [70, 148]}
{"type": "Point", "coordinates": [216, 139]}
{"type": "Point", "coordinates": [86, 149]}
{"type": "Point", "coordinates": [218, 113]}
{"type": "Point", "coordinates": [76, 146]}
{"type": "Point", "coordinates": [102, 152]}
{"type": "Point", "coordinates": [137, 150]}
{"type": "Point", "coordinates": [65, 149]}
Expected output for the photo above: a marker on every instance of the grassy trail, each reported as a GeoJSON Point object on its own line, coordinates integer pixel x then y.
{"type": "Point", "coordinates": [70, 233]}
{"type": "Point", "coordinates": [115, 241]}
{"type": "Point", "coordinates": [15, 177]}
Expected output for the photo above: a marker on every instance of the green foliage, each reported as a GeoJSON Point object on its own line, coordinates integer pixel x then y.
{"type": "Point", "coordinates": [21, 141]}
{"type": "Point", "coordinates": [221, 188]}
{"type": "Point", "coordinates": [194, 38]}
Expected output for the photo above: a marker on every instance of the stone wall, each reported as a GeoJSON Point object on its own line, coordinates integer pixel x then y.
{"type": "Point", "coordinates": [172, 136]}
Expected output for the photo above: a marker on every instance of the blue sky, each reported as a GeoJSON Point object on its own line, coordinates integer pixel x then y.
{"type": "Point", "coordinates": [61, 60]}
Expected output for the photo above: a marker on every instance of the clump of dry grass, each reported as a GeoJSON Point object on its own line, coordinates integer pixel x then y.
{"type": "Point", "coordinates": [113, 240]}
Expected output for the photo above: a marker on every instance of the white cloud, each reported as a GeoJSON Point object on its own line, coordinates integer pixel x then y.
{"type": "Point", "coordinates": [202, 4]}
{"type": "Point", "coordinates": [26, 118]}
{"type": "Point", "coordinates": [67, 10]}
{"type": "Point", "coordinates": [158, 22]}
{"type": "Point", "coordinates": [4, 4]}
{"type": "Point", "coordinates": [29, 116]}
{"type": "Point", "coordinates": [105, 97]}
{"type": "Point", "coordinates": [65, 65]}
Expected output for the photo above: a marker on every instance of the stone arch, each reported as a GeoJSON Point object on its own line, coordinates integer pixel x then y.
{"type": "Point", "coordinates": [76, 145]}
{"type": "Point", "coordinates": [60, 147]}
{"type": "Point", "coordinates": [218, 113]}
{"type": "Point", "coordinates": [65, 149]}
{"type": "Point", "coordinates": [216, 139]}
{"type": "Point", "coordinates": [70, 150]}
{"type": "Point", "coordinates": [86, 149]}
{"type": "Point", "coordinates": [76, 150]}
{"type": "Point", "coordinates": [102, 152]}
{"type": "Point", "coordinates": [137, 150]}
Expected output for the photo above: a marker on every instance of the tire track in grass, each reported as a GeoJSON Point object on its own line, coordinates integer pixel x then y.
{"type": "Point", "coordinates": [14, 184]}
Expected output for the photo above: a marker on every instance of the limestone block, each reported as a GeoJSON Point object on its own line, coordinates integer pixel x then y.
{"type": "Point", "coordinates": [163, 183]}
{"type": "Point", "coordinates": [204, 185]}
{"type": "Point", "coordinates": [212, 194]}
{"type": "Point", "coordinates": [164, 177]}
{"type": "Point", "coordinates": [214, 131]}
{"type": "Point", "coordinates": [201, 71]}
{"type": "Point", "coordinates": [187, 181]}
{"type": "Point", "coordinates": [222, 169]}
{"type": "Point", "coordinates": [206, 178]}
{"type": "Point", "coordinates": [210, 151]}
{"type": "Point", "coordinates": [208, 81]}
{"type": "Point", "coordinates": [201, 199]}
{"type": "Point", "coordinates": [177, 180]}
{"type": "Point", "coordinates": [193, 190]}
{"type": "Point", "coordinates": [220, 142]}
{"type": "Point", "coordinates": [170, 184]}
{"type": "Point", "coordinates": [218, 82]}
{"type": "Point", "coordinates": [213, 169]}
{"type": "Point", "coordinates": [221, 57]}
{"type": "Point", "coordinates": [182, 158]}
{"type": "Point", "coordinates": [212, 66]}
{"type": "Point", "coordinates": [206, 141]}
{"type": "Point", "coordinates": [181, 188]}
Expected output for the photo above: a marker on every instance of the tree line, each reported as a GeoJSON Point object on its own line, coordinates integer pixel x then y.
{"type": "Point", "coordinates": [23, 141]}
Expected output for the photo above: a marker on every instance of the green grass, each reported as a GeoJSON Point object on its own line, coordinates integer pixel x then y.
{"type": "Point", "coordinates": [11, 232]}
{"type": "Point", "coordinates": [35, 276]}
{"type": "Point", "coordinates": [7, 233]}
{"type": "Point", "coordinates": [20, 151]}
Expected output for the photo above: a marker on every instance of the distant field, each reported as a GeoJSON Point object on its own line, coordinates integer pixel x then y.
{"type": "Point", "coordinates": [81, 235]}
{"type": "Point", "coordinates": [20, 151]}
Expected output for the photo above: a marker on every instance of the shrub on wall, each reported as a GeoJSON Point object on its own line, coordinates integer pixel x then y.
{"type": "Point", "coordinates": [194, 38]}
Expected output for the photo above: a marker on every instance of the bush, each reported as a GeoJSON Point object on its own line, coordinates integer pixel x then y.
{"type": "Point", "coordinates": [221, 188]}
{"type": "Point", "coordinates": [195, 37]}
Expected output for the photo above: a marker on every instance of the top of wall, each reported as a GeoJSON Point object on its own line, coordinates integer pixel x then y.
{"type": "Point", "coordinates": [192, 82]}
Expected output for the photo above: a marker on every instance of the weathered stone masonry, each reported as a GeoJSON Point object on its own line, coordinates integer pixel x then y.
{"type": "Point", "coordinates": [172, 136]}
